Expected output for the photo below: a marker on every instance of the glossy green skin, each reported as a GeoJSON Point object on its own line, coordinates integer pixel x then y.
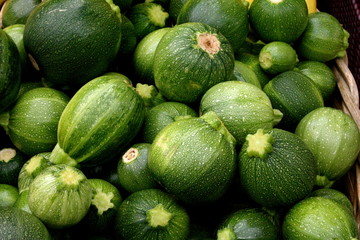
{"type": "Point", "coordinates": [34, 119]}
{"type": "Point", "coordinates": [99, 121]}
{"type": "Point", "coordinates": [16, 32]}
{"type": "Point", "coordinates": [295, 95]}
{"type": "Point", "coordinates": [313, 218]}
{"type": "Point", "coordinates": [94, 222]}
{"type": "Point", "coordinates": [243, 72]}
{"type": "Point", "coordinates": [252, 61]}
{"type": "Point", "coordinates": [10, 71]}
{"type": "Point", "coordinates": [26, 177]}
{"type": "Point", "coordinates": [77, 48]}
{"type": "Point", "coordinates": [230, 17]}
{"type": "Point", "coordinates": [334, 139]}
{"type": "Point", "coordinates": [243, 109]}
{"type": "Point", "coordinates": [322, 75]}
{"type": "Point", "coordinates": [131, 224]}
{"type": "Point", "coordinates": [9, 170]}
{"type": "Point", "coordinates": [277, 57]}
{"type": "Point", "coordinates": [188, 78]}
{"type": "Point", "coordinates": [210, 155]}
{"type": "Point", "coordinates": [324, 38]}
{"type": "Point", "coordinates": [284, 21]}
{"type": "Point", "coordinates": [135, 175]}
{"type": "Point", "coordinates": [251, 223]}
{"type": "Point", "coordinates": [56, 204]}
{"type": "Point", "coordinates": [18, 224]}
{"type": "Point", "coordinates": [143, 58]}
{"type": "Point", "coordinates": [128, 38]}
{"type": "Point", "coordinates": [162, 115]}
{"type": "Point", "coordinates": [285, 176]}
{"type": "Point", "coordinates": [8, 195]}
{"type": "Point", "coordinates": [140, 16]}
{"type": "Point", "coordinates": [335, 195]}
{"type": "Point", "coordinates": [17, 11]}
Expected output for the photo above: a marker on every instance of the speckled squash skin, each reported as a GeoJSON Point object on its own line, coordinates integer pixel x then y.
{"type": "Point", "coordinates": [60, 196]}
{"type": "Point", "coordinates": [250, 223]}
{"type": "Point", "coordinates": [283, 176]}
{"type": "Point", "coordinates": [34, 119]}
{"type": "Point", "coordinates": [194, 158]}
{"type": "Point", "coordinates": [230, 17]}
{"type": "Point", "coordinates": [243, 109]}
{"type": "Point", "coordinates": [334, 139]}
{"type": "Point", "coordinates": [68, 46]}
{"type": "Point", "coordinates": [319, 218]}
{"type": "Point", "coordinates": [18, 224]}
{"type": "Point", "coordinates": [200, 57]}
{"type": "Point", "coordinates": [99, 121]}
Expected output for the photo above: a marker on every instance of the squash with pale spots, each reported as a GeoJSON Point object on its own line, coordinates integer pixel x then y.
{"type": "Point", "coordinates": [334, 139]}
{"type": "Point", "coordinates": [200, 57]}
{"type": "Point", "coordinates": [276, 168]}
{"type": "Point", "coordinates": [194, 158]}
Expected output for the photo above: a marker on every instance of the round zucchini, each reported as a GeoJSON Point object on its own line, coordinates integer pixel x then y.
{"type": "Point", "coordinates": [31, 169]}
{"type": "Point", "coordinates": [147, 17]}
{"type": "Point", "coordinates": [201, 57]}
{"type": "Point", "coordinates": [324, 38]}
{"type": "Point", "coordinates": [334, 139]}
{"type": "Point", "coordinates": [8, 195]}
{"type": "Point", "coordinates": [143, 58]}
{"type": "Point", "coordinates": [67, 45]}
{"type": "Point", "coordinates": [133, 172]}
{"type": "Point", "coordinates": [16, 33]}
{"type": "Point", "coordinates": [278, 20]}
{"type": "Point", "coordinates": [276, 168]}
{"type": "Point", "coordinates": [10, 71]}
{"type": "Point", "coordinates": [105, 201]}
{"type": "Point", "coordinates": [322, 75]}
{"type": "Point", "coordinates": [128, 39]}
{"type": "Point", "coordinates": [277, 57]}
{"type": "Point", "coordinates": [248, 223]}
{"type": "Point", "coordinates": [18, 224]}
{"type": "Point", "coordinates": [174, 8]}
{"type": "Point", "coordinates": [243, 109]}
{"type": "Point", "coordinates": [295, 95]}
{"type": "Point", "coordinates": [151, 214]}
{"type": "Point", "coordinates": [209, 150]}
{"type": "Point", "coordinates": [101, 118]}
{"type": "Point", "coordinates": [33, 120]}
{"type": "Point", "coordinates": [230, 17]}
{"type": "Point", "coordinates": [11, 162]}
{"type": "Point", "coordinates": [319, 218]}
{"type": "Point", "coordinates": [162, 115]}
{"type": "Point", "coordinates": [17, 11]}
{"type": "Point", "coordinates": [60, 196]}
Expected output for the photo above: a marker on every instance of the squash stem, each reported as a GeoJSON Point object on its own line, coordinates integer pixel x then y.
{"type": "Point", "coordinates": [6, 154]}
{"type": "Point", "coordinates": [58, 156]}
{"type": "Point", "coordinates": [158, 216]}
{"type": "Point", "coordinates": [259, 144]}
{"type": "Point", "coordinates": [157, 15]}
{"type": "Point", "coordinates": [278, 115]}
{"type": "Point", "coordinates": [149, 94]}
{"type": "Point", "coordinates": [130, 155]}
{"type": "Point", "coordinates": [226, 234]}
{"type": "Point", "coordinates": [323, 181]}
{"type": "Point", "coordinates": [215, 122]}
{"type": "Point", "coordinates": [102, 201]}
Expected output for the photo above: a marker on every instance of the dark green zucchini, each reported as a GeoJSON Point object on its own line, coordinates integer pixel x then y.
{"type": "Point", "coordinates": [17, 11]}
{"type": "Point", "coordinates": [11, 162]}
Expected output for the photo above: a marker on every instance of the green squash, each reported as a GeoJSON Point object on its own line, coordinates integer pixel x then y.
{"type": "Point", "coordinates": [60, 196]}
{"type": "Point", "coordinates": [101, 118]}
{"type": "Point", "coordinates": [334, 139]}
{"type": "Point", "coordinates": [230, 17]}
{"type": "Point", "coordinates": [194, 158]}
{"type": "Point", "coordinates": [8, 195]}
{"type": "Point", "coordinates": [200, 57]}
{"type": "Point", "coordinates": [276, 168]}
{"type": "Point", "coordinates": [18, 224]}
{"type": "Point", "coordinates": [316, 218]}
{"type": "Point", "coordinates": [243, 109]}
{"type": "Point", "coordinates": [151, 214]}
{"type": "Point", "coordinates": [67, 45]}
{"type": "Point", "coordinates": [11, 162]}
{"type": "Point", "coordinates": [132, 169]}
{"type": "Point", "coordinates": [17, 11]}
{"type": "Point", "coordinates": [34, 118]}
